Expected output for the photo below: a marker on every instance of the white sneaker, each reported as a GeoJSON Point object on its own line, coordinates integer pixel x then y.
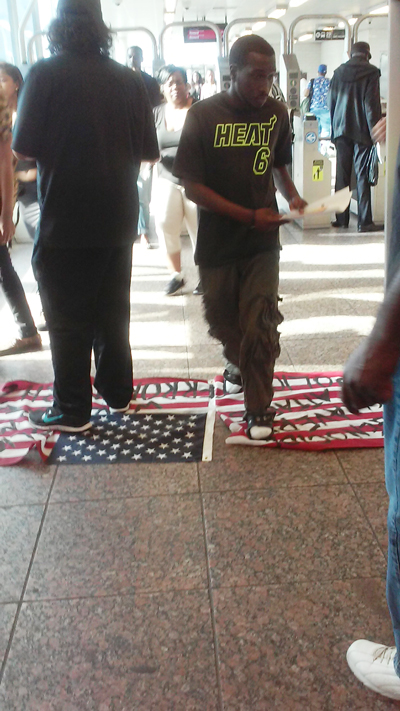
{"type": "Point", "coordinates": [232, 383]}
{"type": "Point", "coordinates": [373, 665]}
{"type": "Point", "coordinates": [120, 409]}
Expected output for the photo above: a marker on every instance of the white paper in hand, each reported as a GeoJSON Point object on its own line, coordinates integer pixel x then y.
{"type": "Point", "coordinates": [331, 203]}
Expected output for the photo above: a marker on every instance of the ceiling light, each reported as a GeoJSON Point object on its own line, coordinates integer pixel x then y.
{"type": "Point", "coordinates": [352, 21]}
{"type": "Point", "coordinates": [169, 17]}
{"type": "Point", "coordinates": [304, 38]}
{"type": "Point", "coordinates": [383, 10]}
{"type": "Point", "coordinates": [341, 25]}
{"type": "Point", "coordinates": [296, 3]}
{"type": "Point", "coordinates": [278, 11]}
{"type": "Point", "coordinates": [259, 26]}
{"type": "Point", "coordinates": [169, 6]}
{"type": "Point", "coordinates": [328, 29]}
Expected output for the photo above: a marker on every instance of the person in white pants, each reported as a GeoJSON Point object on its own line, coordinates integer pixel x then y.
{"type": "Point", "coordinates": [172, 207]}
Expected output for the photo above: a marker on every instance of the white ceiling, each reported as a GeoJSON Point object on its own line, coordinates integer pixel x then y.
{"type": "Point", "coordinates": [149, 13]}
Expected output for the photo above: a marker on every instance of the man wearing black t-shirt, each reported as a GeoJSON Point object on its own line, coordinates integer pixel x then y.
{"type": "Point", "coordinates": [88, 123]}
{"type": "Point", "coordinates": [233, 151]}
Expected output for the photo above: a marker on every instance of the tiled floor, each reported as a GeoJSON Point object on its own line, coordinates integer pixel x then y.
{"type": "Point", "coordinates": [235, 585]}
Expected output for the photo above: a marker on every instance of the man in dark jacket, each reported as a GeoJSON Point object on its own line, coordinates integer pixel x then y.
{"type": "Point", "coordinates": [134, 60]}
{"type": "Point", "coordinates": [355, 107]}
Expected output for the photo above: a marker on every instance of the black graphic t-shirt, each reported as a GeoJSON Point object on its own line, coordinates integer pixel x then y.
{"type": "Point", "coordinates": [88, 122]}
{"type": "Point", "coordinates": [233, 152]}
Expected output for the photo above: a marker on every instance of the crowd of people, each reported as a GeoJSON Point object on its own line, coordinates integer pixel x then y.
{"type": "Point", "coordinates": [91, 126]}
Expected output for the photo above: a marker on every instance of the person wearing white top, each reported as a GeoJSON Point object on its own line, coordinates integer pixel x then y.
{"type": "Point", "coordinates": [209, 87]}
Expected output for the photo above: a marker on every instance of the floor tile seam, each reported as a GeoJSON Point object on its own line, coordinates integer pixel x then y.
{"type": "Point", "coordinates": [377, 483]}
{"type": "Point", "coordinates": [15, 601]}
{"type": "Point", "coordinates": [212, 611]}
{"type": "Point", "coordinates": [186, 329]}
{"type": "Point", "coordinates": [309, 581]}
{"type": "Point", "coordinates": [365, 514]}
{"type": "Point", "coordinates": [117, 595]}
{"type": "Point", "coordinates": [268, 489]}
{"type": "Point", "coordinates": [272, 487]}
{"type": "Point", "coordinates": [199, 491]}
{"type": "Point", "coordinates": [25, 584]}
{"type": "Point", "coordinates": [6, 507]}
{"type": "Point", "coordinates": [353, 485]}
{"type": "Point", "coordinates": [290, 583]}
{"type": "Point", "coordinates": [140, 497]}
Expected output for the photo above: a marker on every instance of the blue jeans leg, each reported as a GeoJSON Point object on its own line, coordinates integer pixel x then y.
{"type": "Point", "coordinates": [144, 190]}
{"type": "Point", "coordinates": [324, 122]}
{"type": "Point", "coordinates": [392, 473]}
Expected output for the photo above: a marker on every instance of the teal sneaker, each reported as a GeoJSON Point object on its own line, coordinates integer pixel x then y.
{"type": "Point", "coordinates": [53, 419]}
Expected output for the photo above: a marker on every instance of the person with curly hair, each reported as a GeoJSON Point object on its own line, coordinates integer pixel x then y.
{"type": "Point", "coordinates": [88, 123]}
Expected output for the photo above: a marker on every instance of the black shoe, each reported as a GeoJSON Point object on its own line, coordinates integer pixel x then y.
{"type": "Point", "coordinates": [198, 291]}
{"type": "Point", "coordinates": [338, 224]}
{"type": "Point", "coordinates": [260, 426]}
{"type": "Point", "coordinates": [42, 326]}
{"type": "Point", "coordinates": [232, 383]}
{"type": "Point", "coordinates": [371, 228]}
{"type": "Point", "coordinates": [174, 286]}
{"type": "Point", "coordinates": [53, 419]}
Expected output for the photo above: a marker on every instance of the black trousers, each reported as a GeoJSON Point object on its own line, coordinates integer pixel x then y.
{"type": "Point", "coordinates": [348, 152]}
{"type": "Point", "coordinates": [241, 307]}
{"type": "Point", "coordinates": [15, 295]}
{"type": "Point", "coordinates": [85, 295]}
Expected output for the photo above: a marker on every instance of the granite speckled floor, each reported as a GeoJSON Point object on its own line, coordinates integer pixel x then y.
{"type": "Point", "coordinates": [235, 585]}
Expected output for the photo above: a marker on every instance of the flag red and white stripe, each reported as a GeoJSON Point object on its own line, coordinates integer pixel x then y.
{"type": "Point", "coordinates": [310, 415]}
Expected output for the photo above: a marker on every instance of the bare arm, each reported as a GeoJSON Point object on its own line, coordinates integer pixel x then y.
{"type": "Point", "coordinates": [7, 228]}
{"type": "Point", "coordinates": [369, 370]}
{"type": "Point", "coordinates": [262, 219]}
{"type": "Point", "coordinates": [287, 188]}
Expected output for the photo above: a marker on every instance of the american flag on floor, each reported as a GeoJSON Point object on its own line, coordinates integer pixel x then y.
{"type": "Point", "coordinates": [124, 438]}
{"type": "Point", "coordinates": [169, 421]}
{"type": "Point", "coordinates": [309, 415]}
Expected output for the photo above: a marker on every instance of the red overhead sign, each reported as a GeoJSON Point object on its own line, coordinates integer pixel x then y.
{"type": "Point", "coordinates": [201, 34]}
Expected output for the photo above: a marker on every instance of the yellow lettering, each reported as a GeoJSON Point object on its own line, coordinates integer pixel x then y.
{"type": "Point", "coordinates": [261, 160]}
{"type": "Point", "coordinates": [242, 134]}
{"type": "Point", "coordinates": [253, 135]}
{"type": "Point", "coordinates": [266, 129]}
{"type": "Point", "coordinates": [223, 132]}
{"type": "Point", "coordinates": [239, 134]}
